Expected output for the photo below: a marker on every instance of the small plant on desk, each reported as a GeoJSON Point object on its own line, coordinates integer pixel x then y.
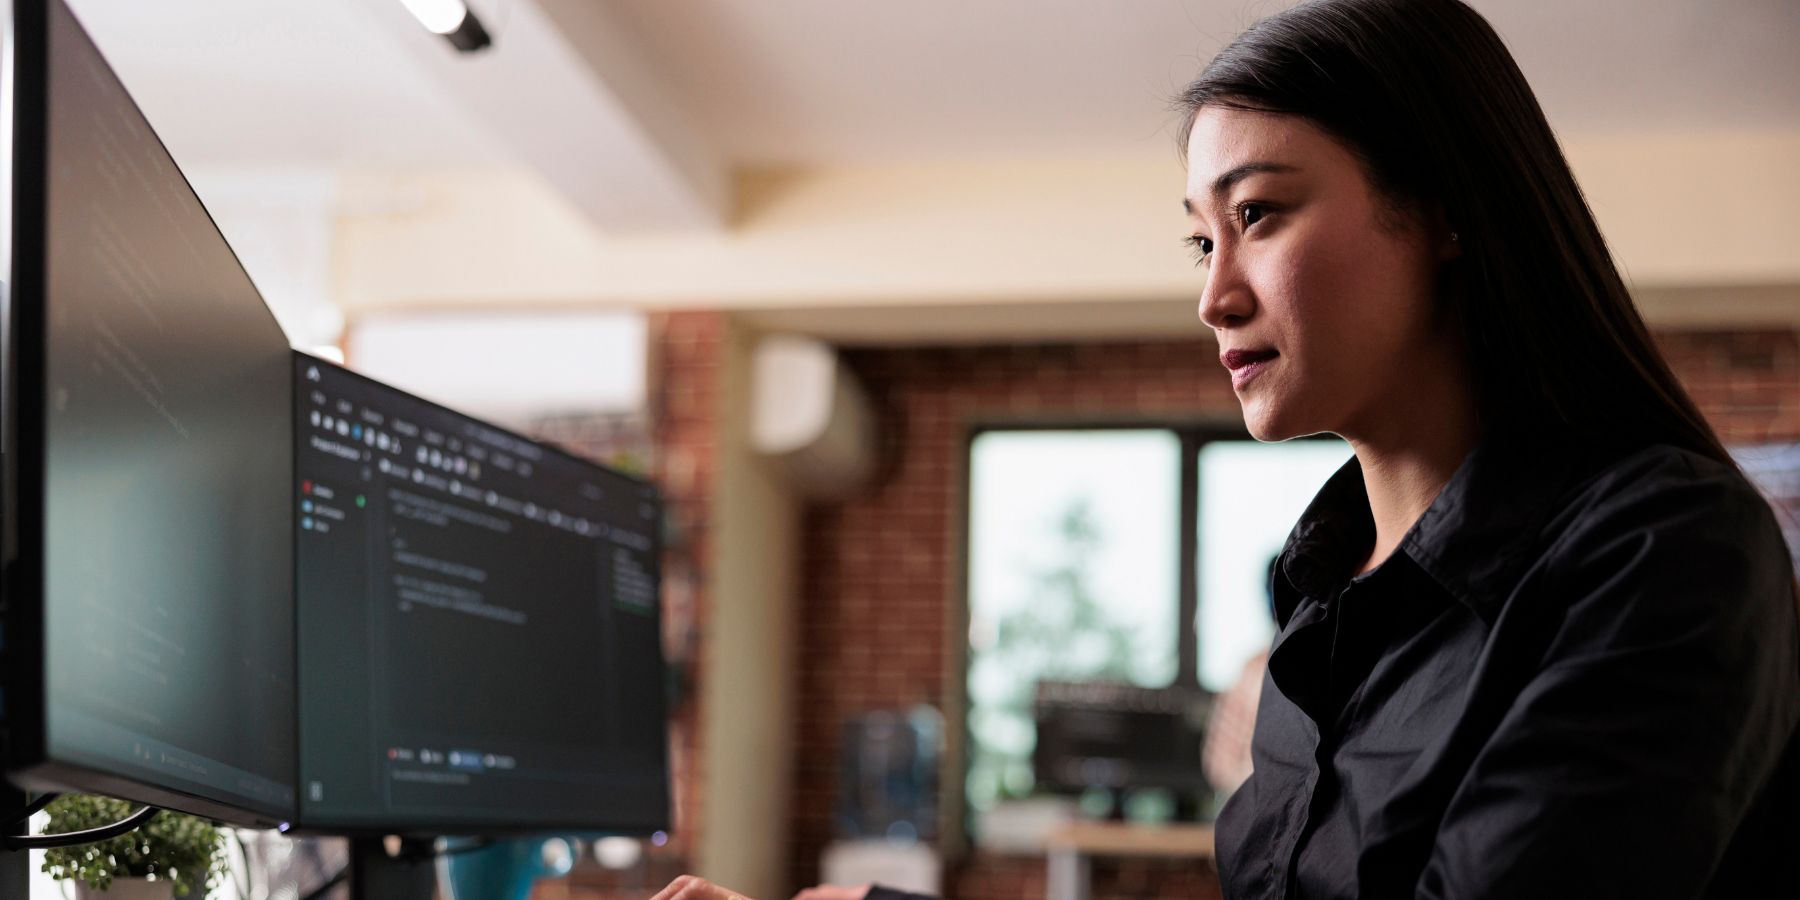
{"type": "Point", "coordinates": [172, 854]}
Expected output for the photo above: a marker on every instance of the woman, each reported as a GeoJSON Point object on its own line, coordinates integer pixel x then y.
{"type": "Point", "coordinates": [1539, 637]}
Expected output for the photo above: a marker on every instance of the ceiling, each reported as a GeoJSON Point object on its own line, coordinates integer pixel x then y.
{"type": "Point", "coordinates": [830, 81]}
{"type": "Point", "coordinates": [279, 82]}
{"type": "Point", "coordinates": [845, 82]}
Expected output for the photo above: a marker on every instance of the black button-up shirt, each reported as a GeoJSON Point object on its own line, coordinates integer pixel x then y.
{"type": "Point", "coordinates": [1578, 676]}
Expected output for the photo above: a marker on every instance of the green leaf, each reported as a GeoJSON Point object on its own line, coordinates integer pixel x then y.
{"type": "Point", "coordinates": [183, 849]}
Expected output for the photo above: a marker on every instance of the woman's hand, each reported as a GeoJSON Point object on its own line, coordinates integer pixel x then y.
{"type": "Point", "coordinates": [688, 887]}
{"type": "Point", "coordinates": [833, 892]}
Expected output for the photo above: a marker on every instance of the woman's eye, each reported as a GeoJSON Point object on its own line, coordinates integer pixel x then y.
{"type": "Point", "coordinates": [1251, 213]}
{"type": "Point", "coordinates": [1202, 248]}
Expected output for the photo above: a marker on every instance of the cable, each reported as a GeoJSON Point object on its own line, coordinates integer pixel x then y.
{"type": "Point", "coordinates": [74, 838]}
{"type": "Point", "coordinates": [32, 808]}
{"type": "Point", "coordinates": [323, 889]}
{"type": "Point", "coordinates": [241, 879]}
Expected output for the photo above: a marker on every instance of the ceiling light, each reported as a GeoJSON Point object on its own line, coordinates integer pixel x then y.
{"type": "Point", "coordinates": [453, 19]}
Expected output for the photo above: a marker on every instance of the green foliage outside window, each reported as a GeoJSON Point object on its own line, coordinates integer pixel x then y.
{"type": "Point", "coordinates": [1062, 633]}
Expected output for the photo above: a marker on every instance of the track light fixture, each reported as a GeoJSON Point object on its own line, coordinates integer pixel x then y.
{"type": "Point", "coordinates": [453, 19]}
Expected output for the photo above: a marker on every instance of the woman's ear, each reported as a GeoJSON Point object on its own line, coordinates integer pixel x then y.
{"type": "Point", "coordinates": [1449, 244]}
{"type": "Point", "coordinates": [1446, 237]}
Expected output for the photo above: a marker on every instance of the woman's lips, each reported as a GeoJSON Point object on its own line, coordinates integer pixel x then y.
{"type": "Point", "coordinates": [1246, 364]}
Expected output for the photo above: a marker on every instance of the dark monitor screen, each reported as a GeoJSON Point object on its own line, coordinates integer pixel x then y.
{"type": "Point", "coordinates": [1105, 735]}
{"type": "Point", "coordinates": [480, 647]}
{"type": "Point", "coordinates": [149, 444]}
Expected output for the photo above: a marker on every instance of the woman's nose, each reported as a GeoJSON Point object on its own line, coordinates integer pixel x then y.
{"type": "Point", "coordinates": [1225, 298]}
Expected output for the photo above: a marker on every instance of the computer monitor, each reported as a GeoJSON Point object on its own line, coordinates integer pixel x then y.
{"type": "Point", "coordinates": [148, 569]}
{"type": "Point", "coordinates": [479, 628]}
{"type": "Point", "coordinates": [1120, 737]}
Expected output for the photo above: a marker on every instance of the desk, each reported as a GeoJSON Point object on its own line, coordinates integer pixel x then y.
{"type": "Point", "coordinates": [1069, 848]}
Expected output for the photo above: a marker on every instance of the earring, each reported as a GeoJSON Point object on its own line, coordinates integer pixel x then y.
{"type": "Point", "coordinates": [1454, 237]}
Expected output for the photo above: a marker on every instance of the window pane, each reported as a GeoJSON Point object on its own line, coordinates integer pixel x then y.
{"type": "Point", "coordinates": [1073, 565]}
{"type": "Point", "coordinates": [1251, 494]}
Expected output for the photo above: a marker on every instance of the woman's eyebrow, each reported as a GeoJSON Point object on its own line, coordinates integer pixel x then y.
{"type": "Point", "coordinates": [1224, 183]}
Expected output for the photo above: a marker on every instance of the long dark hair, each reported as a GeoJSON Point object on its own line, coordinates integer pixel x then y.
{"type": "Point", "coordinates": [1429, 98]}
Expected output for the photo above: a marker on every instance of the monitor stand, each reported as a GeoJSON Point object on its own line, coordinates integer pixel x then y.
{"type": "Point", "coordinates": [15, 865]}
{"type": "Point", "coordinates": [374, 875]}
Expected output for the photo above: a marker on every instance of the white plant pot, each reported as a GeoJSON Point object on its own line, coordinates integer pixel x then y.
{"type": "Point", "coordinates": [128, 889]}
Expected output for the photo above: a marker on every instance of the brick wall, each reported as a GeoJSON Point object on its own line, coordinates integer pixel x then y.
{"type": "Point", "coordinates": [1747, 383]}
{"type": "Point", "coordinates": [881, 570]}
{"type": "Point", "coordinates": [687, 354]}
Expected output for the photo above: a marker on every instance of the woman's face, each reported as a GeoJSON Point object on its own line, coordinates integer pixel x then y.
{"type": "Point", "coordinates": [1320, 292]}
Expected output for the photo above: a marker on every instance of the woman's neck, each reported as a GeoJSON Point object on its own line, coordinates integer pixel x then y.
{"type": "Point", "coordinates": [1406, 464]}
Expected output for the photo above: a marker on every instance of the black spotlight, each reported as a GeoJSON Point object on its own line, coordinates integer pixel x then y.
{"type": "Point", "coordinates": [454, 20]}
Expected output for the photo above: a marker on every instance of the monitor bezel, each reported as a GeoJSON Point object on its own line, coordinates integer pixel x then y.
{"type": "Point", "coordinates": [302, 824]}
{"type": "Point", "coordinates": [28, 760]}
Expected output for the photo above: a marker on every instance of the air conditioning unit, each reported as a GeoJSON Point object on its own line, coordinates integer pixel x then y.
{"type": "Point", "coordinates": [812, 417]}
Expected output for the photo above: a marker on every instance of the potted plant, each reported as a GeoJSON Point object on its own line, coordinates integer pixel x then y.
{"type": "Point", "coordinates": [172, 855]}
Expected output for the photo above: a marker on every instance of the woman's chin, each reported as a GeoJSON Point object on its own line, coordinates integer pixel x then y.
{"type": "Point", "coordinates": [1266, 424]}
{"type": "Point", "coordinates": [1264, 433]}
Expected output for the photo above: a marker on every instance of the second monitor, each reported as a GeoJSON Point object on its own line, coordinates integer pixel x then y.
{"type": "Point", "coordinates": [479, 633]}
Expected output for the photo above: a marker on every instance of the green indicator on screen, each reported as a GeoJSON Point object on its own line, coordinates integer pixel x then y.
{"type": "Point", "coordinates": [360, 502]}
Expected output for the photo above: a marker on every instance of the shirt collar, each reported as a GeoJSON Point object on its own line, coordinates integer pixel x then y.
{"type": "Point", "coordinates": [1473, 539]}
